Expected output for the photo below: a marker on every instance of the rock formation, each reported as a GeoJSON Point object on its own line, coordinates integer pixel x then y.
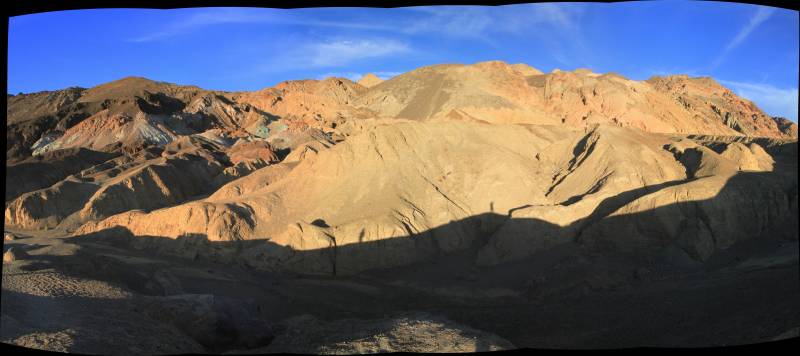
{"type": "Point", "coordinates": [14, 254]}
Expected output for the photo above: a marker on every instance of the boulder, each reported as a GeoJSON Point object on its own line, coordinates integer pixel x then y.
{"type": "Point", "coordinates": [14, 254]}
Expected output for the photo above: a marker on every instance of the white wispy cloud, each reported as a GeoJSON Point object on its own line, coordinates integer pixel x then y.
{"type": "Point", "coordinates": [342, 52]}
{"type": "Point", "coordinates": [557, 25]}
{"type": "Point", "coordinates": [333, 53]}
{"type": "Point", "coordinates": [203, 18]}
{"type": "Point", "coordinates": [484, 22]}
{"type": "Point", "coordinates": [762, 14]}
{"type": "Point", "coordinates": [198, 19]}
{"type": "Point", "coordinates": [451, 21]}
{"type": "Point", "coordinates": [774, 101]}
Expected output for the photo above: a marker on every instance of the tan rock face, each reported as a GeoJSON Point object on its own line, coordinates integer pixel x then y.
{"type": "Point", "coordinates": [498, 92]}
{"type": "Point", "coordinates": [786, 126]}
{"type": "Point", "coordinates": [749, 158]}
{"type": "Point", "coordinates": [251, 151]}
{"type": "Point", "coordinates": [706, 98]}
{"type": "Point", "coordinates": [46, 208]}
{"type": "Point", "coordinates": [314, 103]}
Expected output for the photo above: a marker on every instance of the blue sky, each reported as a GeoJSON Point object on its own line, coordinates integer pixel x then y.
{"type": "Point", "coordinates": [751, 49]}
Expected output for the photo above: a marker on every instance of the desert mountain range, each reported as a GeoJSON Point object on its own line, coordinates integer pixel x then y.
{"type": "Point", "coordinates": [450, 208]}
{"type": "Point", "coordinates": [321, 165]}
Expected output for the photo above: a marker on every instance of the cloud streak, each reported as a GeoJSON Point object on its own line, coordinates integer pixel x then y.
{"type": "Point", "coordinates": [210, 17]}
{"type": "Point", "coordinates": [774, 101]}
{"type": "Point", "coordinates": [557, 27]}
{"type": "Point", "coordinates": [334, 53]}
{"type": "Point", "coordinates": [483, 22]}
{"type": "Point", "coordinates": [467, 22]}
{"type": "Point", "coordinates": [342, 52]}
{"type": "Point", "coordinates": [762, 14]}
{"type": "Point", "coordinates": [201, 19]}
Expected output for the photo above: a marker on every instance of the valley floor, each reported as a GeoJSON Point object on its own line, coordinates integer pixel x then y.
{"type": "Point", "coordinates": [85, 295]}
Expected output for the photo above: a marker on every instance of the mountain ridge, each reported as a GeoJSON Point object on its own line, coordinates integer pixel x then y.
{"type": "Point", "coordinates": [491, 89]}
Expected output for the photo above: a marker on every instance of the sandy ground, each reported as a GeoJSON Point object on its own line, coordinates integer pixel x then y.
{"type": "Point", "coordinates": [88, 296]}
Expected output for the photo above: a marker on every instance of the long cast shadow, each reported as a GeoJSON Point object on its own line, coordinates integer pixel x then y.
{"type": "Point", "coordinates": [426, 246]}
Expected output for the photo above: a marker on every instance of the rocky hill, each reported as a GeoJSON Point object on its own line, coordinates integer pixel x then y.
{"type": "Point", "coordinates": [497, 92]}
{"type": "Point", "coordinates": [144, 112]}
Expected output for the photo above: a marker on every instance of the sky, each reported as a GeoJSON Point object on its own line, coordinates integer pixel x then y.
{"type": "Point", "coordinates": [751, 49]}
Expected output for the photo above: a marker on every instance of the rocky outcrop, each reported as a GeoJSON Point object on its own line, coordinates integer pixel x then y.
{"type": "Point", "coordinates": [700, 161]}
{"type": "Point", "coordinates": [185, 169]}
{"type": "Point", "coordinates": [13, 254]}
{"type": "Point", "coordinates": [30, 116]}
{"type": "Point", "coordinates": [155, 185]}
{"type": "Point", "coordinates": [525, 69]}
{"type": "Point", "coordinates": [497, 92]}
{"type": "Point", "coordinates": [43, 171]}
{"type": "Point", "coordinates": [252, 151]}
{"type": "Point", "coordinates": [706, 99]}
{"type": "Point", "coordinates": [46, 208]}
{"type": "Point", "coordinates": [320, 104]}
{"type": "Point", "coordinates": [786, 126]}
{"type": "Point", "coordinates": [749, 158]}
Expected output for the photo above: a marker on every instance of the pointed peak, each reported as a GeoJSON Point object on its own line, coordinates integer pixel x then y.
{"type": "Point", "coordinates": [370, 80]}
{"type": "Point", "coordinates": [491, 63]}
{"type": "Point", "coordinates": [132, 80]}
{"type": "Point", "coordinates": [525, 69]}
